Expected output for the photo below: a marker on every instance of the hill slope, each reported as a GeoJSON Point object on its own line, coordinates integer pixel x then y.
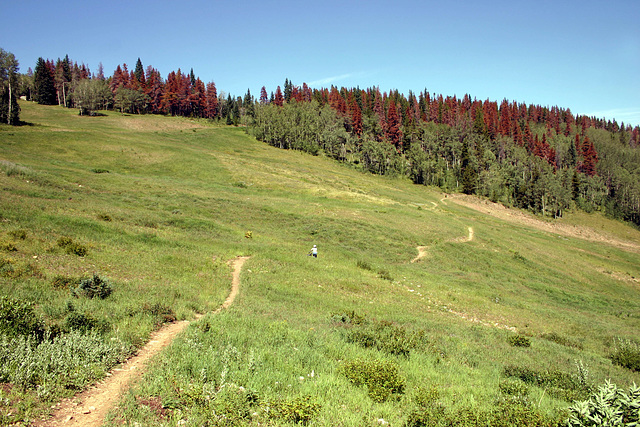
{"type": "Point", "coordinates": [152, 200]}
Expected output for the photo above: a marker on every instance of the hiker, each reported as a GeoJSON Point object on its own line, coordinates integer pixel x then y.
{"type": "Point", "coordinates": [314, 252]}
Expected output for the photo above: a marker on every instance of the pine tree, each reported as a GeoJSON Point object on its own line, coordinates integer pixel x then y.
{"type": "Point", "coordinates": [44, 88]}
{"type": "Point", "coordinates": [139, 72]}
{"type": "Point", "coordinates": [264, 98]}
{"type": "Point", "coordinates": [394, 134]}
{"type": "Point", "coordinates": [278, 99]}
{"type": "Point", "coordinates": [212, 101]}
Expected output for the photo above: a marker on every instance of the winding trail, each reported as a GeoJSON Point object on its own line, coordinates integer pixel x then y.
{"type": "Point", "coordinates": [89, 408]}
{"type": "Point", "coordinates": [440, 306]}
{"type": "Point", "coordinates": [422, 250]}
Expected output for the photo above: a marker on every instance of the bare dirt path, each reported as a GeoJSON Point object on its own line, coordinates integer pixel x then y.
{"type": "Point", "coordinates": [90, 407]}
{"type": "Point", "coordinates": [519, 217]}
{"type": "Point", "coordinates": [422, 250]}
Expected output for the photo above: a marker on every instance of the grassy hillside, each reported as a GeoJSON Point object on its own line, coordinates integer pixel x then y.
{"type": "Point", "coordinates": [158, 206]}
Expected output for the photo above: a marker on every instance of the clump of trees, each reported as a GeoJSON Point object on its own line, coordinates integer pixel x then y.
{"type": "Point", "coordinates": [9, 108]}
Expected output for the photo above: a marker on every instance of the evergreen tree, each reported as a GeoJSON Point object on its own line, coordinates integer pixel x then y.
{"type": "Point", "coordinates": [288, 87]}
{"type": "Point", "coordinates": [193, 78]}
{"type": "Point", "coordinates": [264, 98]}
{"type": "Point", "coordinates": [394, 134]}
{"type": "Point", "coordinates": [43, 84]}
{"type": "Point", "coordinates": [278, 99]}
{"type": "Point", "coordinates": [139, 72]}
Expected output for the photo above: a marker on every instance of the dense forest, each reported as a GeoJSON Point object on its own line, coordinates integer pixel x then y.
{"type": "Point", "coordinates": [544, 159]}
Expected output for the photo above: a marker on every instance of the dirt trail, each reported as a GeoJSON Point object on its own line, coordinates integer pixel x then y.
{"type": "Point", "coordinates": [89, 408]}
{"type": "Point", "coordinates": [519, 217]}
{"type": "Point", "coordinates": [422, 250]}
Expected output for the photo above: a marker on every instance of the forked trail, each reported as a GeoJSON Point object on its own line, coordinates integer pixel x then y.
{"type": "Point", "coordinates": [90, 407]}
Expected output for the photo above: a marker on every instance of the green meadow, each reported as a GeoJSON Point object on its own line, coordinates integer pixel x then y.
{"type": "Point", "coordinates": [507, 328]}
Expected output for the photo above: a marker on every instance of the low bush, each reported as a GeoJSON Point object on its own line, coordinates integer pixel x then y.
{"type": "Point", "coordinates": [386, 336]}
{"type": "Point", "coordinates": [64, 282]}
{"type": "Point", "coordinates": [83, 322]}
{"type": "Point", "coordinates": [104, 217]}
{"type": "Point", "coordinates": [349, 318]}
{"type": "Point", "coordinates": [626, 353]}
{"type": "Point", "coordinates": [519, 340]}
{"type": "Point", "coordinates": [67, 362]}
{"type": "Point", "coordinates": [95, 286]}
{"type": "Point", "coordinates": [608, 406]}
{"type": "Point", "coordinates": [18, 318]}
{"type": "Point", "coordinates": [299, 410]}
{"type": "Point", "coordinates": [364, 265]}
{"type": "Point", "coordinates": [559, 384]}
{"type": "Point", "coordinates": [19, 234]}
{"type": "Point", "coordinates": [507, 411]}
{"type": "Point", "coordinates": [513, 387]}
{"type": "Point", "coordinates": [559, 339]}
{"type": "Point", "coordinates": [160, 312]}
{"type": "Point", "coordinates": [384, 274]}
{"type": "Point", "coordinates": [71, 247]}
{"type": "Point", "coordinates": [7, 267]}
{"type": "Point", "coordinates": [8, 246]}
{"type": "Point", "coordinates": [233, 405]}
{"type": "Point", "coordinates": [381, 377]}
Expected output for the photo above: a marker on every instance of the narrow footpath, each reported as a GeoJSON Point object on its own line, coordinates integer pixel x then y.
{"type": "Point", "coordinates": [89, 408]}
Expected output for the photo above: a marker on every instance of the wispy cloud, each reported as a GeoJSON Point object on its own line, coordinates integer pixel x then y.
{"type": "Point", "coordinates": [627, 115]}
{"type": "Point", "coordinates": [328, 80]}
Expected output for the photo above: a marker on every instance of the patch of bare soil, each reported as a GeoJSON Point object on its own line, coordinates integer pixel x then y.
{"type": "Point", "coordinates": [90, 407]}
{"type": "Point", "coordinates": [519, 217]}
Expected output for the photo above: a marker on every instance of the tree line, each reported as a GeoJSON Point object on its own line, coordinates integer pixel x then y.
{"type": "Point", "coordinates": [545, 159]}
{"type": "Point", "coordinates": [538, 158]}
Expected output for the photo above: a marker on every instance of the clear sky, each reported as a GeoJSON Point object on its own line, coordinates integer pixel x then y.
{"type": "Point", "coordinates": [577, 54]}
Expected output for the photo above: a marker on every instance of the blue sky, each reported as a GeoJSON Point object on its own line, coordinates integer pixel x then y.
{"type": "Point", "coordinates": [583, 55]}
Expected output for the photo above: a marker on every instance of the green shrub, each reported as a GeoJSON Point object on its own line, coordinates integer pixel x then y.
{"type": "Point", "coordinates": [561, 385]}
{"type": "Point", "coordinates": [12, 169]}
{"type": "Point", "coordinates": [105, 217]}
{"type": "Point", "coordinates": [559, 339]}
{"type": "Point", "coordinates": [18, 234]}
{"type": "Point", "coordinates": [299, 410]}
{"type": "Point", "coordinates": [71, 247]}
{"type": "Point", "coordinates": [99, 170]}
{"type": "Point", "coordinates": [626, 353]}
{"type": "Point", "coordinates": [83, 322]}
{"type": "Point", "coordinates": [381, 377]}
{"type": "Point", "coordinates": [608, 406]}
{"type": "Point", "coordinates": [8, 246]}
{"type": "Point", "coordinates": [95, 286]}
{"type": "Point", "coordinates": [513, 387]}
{"type": "Point", "coordinates": [426, 396]}
{"type": "Point", "coordinates": [349, 318]}
{"type": "Point", "coordinates": [64, 282]}
{"type": "Point", "coordinates": [233, 404]}
{"type": "Point", "coordinates": [387, 337]}
{"type": "Point", "coordinates": [384, 274]}
{"type": "Point", "coordinates": [519, 340]}
{"type": "Point", "coordinates": [18, 318]}
{"type": "Point", "coordinates": [67, 362]}
{"type": "Point", "coordinates": [364, 265]}
{"type": "Point", "coordinates": [161, 313]}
